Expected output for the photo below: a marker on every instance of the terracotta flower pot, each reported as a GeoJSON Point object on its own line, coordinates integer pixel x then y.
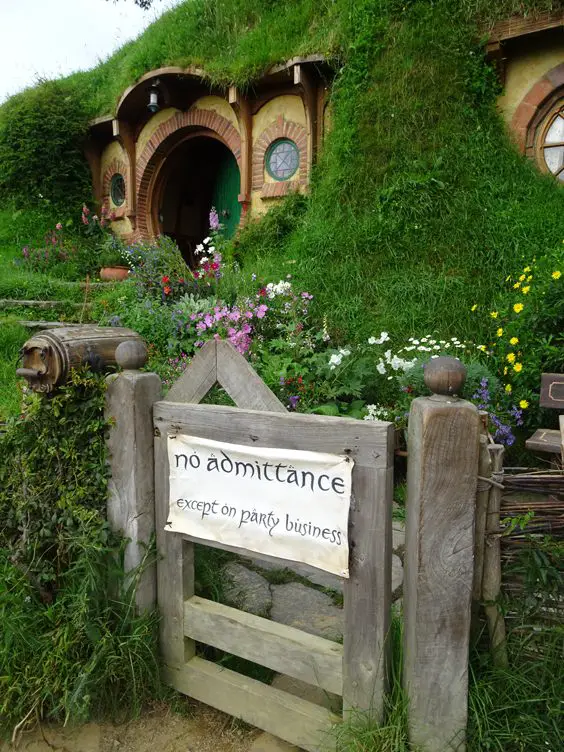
{"type": "Point", "coordinates": [113, 273]}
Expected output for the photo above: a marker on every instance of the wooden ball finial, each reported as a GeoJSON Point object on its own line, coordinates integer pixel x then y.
{"type": "Point", "coordinates": [445, 375]}
{"type": "Point", "coordinates": [131, 355]}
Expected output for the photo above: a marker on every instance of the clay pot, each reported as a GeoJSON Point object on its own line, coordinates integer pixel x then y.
{"type": "Point", "coordinates": [113, 273]}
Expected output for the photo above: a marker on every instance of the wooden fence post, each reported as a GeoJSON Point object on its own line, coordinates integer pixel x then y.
{"type": "Point", "coordinates": [443, 445]}
{"type": "Point", "coordinates": [131, 500]}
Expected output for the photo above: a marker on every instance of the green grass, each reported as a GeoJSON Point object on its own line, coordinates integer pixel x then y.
{"type": "Point", "coordinates": [12, 337]}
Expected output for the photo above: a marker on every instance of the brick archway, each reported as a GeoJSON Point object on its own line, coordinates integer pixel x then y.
{"type": "Point", "coordinates": [116, 166]}
{"type": "Point", "coordinates": [163, 141]}
{"type": "Point", "coordinates": [280, 129]}
{"type": "Point", "coordinates": [533, 107]}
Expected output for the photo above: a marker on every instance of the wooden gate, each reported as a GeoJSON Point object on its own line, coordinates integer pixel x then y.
{"type": "Point", "coordinates": [357, 669]}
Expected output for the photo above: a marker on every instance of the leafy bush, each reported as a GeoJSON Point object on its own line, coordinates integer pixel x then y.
{"type": "Point", "coordinates": [71, 644]}
{"type": "Point", "coordinates": [42, 132]}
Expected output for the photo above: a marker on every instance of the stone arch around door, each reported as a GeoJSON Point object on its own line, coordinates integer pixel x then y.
{"type": "Point", "coordinates": [163, 141]}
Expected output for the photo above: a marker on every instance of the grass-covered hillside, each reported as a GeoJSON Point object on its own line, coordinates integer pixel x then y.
{"type": "Point", "coordinates": [420, 205]}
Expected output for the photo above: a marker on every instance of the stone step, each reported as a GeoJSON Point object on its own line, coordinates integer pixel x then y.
{"type": "Point", "coordinates": [41, 304]}
{"type": "Point", "coordinates": [48, 324]}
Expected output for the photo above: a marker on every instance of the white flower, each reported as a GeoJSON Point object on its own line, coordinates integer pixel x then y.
{"type": "Point", "coordinates": [381, 368]}
{"type": "Point", "coordinates": [409, 348]}
{"type": "Point", "coordinates": [424, 339]}
{"type": "Point", "coordinates": [432, 341]}
{"type": "Point", "coordinates": [372, 340]}
{"type": "Point", "coordinates": [447, 345]}
{"type": "Point", "coordinates": [388, 355]}
{"type": "Point", "coordinates": [206, 241]}
{"type": "Point", "coordinates": [454, 339]}
{"type": "Point", "coordinates": [384, 337]}
{"type": "Point", "coordinates": [415, 341]}
{"type": "Point", "coordinates": [335, 360]}
{"type": "Point", "coordinates": [199, 248]}
{"type": "Point", "coordinates": [436, 347]}
{"type": "Point", "coordinates": [434, 356]}
{"type": "Point", "coordinates": [344, 352]}
{"type": "Point", "coordinates": [204, 260]}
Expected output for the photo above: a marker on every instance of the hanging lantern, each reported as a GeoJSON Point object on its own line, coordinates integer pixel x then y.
{"type": "Point", "coordinates": [153, 105]}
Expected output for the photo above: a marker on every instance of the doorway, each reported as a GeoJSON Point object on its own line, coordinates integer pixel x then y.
{"type": "Point", "coordinates": [199, 174]}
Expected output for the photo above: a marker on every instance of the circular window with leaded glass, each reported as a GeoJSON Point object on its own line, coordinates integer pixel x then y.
{"type": "Point", "coordinates": [117, 189]}
{"type": "Point", "coordinates": [282, 159]}
{"type": "Point", "coordinates": [552, 145]}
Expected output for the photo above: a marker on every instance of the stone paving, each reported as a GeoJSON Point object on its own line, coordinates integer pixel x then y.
{"type": "Point", "coordinates": [298, 595]}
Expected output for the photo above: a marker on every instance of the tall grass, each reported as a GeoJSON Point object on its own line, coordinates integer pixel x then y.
{"type": "Point", "coordinates": [514, 709]}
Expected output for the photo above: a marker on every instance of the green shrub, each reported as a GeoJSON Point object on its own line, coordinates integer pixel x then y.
{"type": "Point", "coordinates": [71, 644]}
{"type": "Point", "coordinates": [42, 133]}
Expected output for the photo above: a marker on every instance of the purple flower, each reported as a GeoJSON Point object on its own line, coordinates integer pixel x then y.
{"type": "Point", "coordinates": [214, 219]}
{"type": "Point", "coordinates": [293, 401]}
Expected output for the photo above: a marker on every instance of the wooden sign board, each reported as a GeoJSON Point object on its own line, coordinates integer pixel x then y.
{"type": "Point", "coordinates": [293, 505]}
{"type": "Point", "coordinates": [552, 390]}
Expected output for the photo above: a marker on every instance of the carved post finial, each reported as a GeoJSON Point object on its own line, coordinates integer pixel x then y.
{"type": "Point", "coordinates": [131, 355]}
{"type": "Point", "coordinates": [445, 376]}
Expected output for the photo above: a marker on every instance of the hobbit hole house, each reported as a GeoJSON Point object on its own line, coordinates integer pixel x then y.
{"type": "Point", "coordinates": [178, 147]}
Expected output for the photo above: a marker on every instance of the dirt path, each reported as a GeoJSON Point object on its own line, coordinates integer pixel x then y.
{"type": "Point", "coordinates": [201, 729]}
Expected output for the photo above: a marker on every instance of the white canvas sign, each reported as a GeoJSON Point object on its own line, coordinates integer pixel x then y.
{"type": "Point", "coordinates": [285, 503]}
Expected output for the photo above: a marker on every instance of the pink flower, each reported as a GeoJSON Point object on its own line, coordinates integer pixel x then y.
{"type": "Point", "coordinates": [58, 226]}
{"type": "Point", "coordinates": [261, 311]}
{"type": "Point", "coordinates": [85, 210]}
{"type": "Point", "coordinates": [84, 219]}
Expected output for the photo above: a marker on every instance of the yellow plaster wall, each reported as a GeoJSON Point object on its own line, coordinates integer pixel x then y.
{"type": "Point", "coordinates": [290, 106]}
{"type": "Point", "coordinates": [525, 69]}
{"type": "Point", "coordinates": [151, 126]}
{"type": "Point", "coordinates": [219, 105]}
{"type": "Point", "coordinates": [122, 226]}
{"type": "Point", "coordinates": [111, 152]}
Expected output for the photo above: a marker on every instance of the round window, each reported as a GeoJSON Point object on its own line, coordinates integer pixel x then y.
{"type": "Point", "coordinates": [117, 189]}
{"type": "Point", "coordinates": [552, 144]}
{"type": "Point", "coordinates": [282, 159]}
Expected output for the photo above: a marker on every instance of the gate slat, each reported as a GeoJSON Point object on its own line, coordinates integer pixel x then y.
{"type": "Point", "coordinates": [295, 720]}
{"type": "Point", "coordinates": [284, 649]}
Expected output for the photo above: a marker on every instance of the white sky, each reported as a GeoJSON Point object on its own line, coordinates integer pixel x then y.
{"type": "Point", "coordinates": [50, 38]}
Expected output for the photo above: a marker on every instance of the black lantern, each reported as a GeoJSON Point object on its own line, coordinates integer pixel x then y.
{"type": "Point", "coordinates": [153, 105]}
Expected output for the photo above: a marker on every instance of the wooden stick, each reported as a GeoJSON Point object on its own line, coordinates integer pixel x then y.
{"type": "Point", "coordinates": [491, 580]}
{"type": "Point", "coordinates": [482, 497]}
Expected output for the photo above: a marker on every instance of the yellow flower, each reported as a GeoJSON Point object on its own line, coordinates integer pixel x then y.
{"type": "Point", "coordinates": [481, 347]}
{"type": "Point", "coordinates": [511, 357]}
{"type": "Point", "coordinates": [518, 367]}
{"type": "Point", "coordinates": [527, 269]}
{"type": "Point", "coordinates": [508, 278]}
{"type": "Point", "coordinates": [523, 404]}
{"type": "Point", "coordinates": [556, 275]}
{"type": "Point", "coordinates": [505, 371]}
{"type": "Point", "coordinates": [517, 285]}
{"type": "Point", "coordinates": [529, 278]}
{"type": "Point", "coordinates": [514, 341]}
{"type": "Point", "coordinates": [500, 332]}
{"type": "Point", "coordinates": [494, 314]}
{"type": "Point", "coordinates": [474, 307]}
{"type": "Point", "coordinates": [521, 278]}
{"type": "Point", "coordinates": [525, 290]}
{"type": "Point", "coordinates": [508, 388]}
{"type": "Point", "coordinates": [518, 307]}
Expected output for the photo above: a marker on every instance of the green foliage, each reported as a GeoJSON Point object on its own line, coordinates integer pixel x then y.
{"type": "Point", "coordinates": [71, 644]}
{"type": "Point", "coordinates": [12, 337]}
{"type": "Point", "coordinates": [42, 131]}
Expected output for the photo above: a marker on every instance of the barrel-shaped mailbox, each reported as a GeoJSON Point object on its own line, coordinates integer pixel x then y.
{"type": "Point", "coordinates": [49, 356]}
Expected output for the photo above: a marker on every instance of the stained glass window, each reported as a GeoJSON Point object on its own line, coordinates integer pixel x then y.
{"type": "Point", "coordinates": [282, 159]}
{"type": "Point", "coordinates": [117, 189]}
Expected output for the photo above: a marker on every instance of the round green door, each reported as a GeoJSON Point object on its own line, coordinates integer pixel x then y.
{"type": "Point", "coordinates": [226, 193]}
